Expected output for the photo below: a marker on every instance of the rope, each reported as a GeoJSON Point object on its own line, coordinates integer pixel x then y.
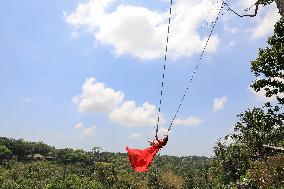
{"type": "Point", "coordinates": [196, 67]}
{"type": "Point", "coordinates": [197, 64]}
{"type": "Point", "coordinates": [164, 70]}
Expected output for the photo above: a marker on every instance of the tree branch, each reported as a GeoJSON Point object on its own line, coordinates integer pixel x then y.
{"type": "Point", "coordinates": [245, 15]}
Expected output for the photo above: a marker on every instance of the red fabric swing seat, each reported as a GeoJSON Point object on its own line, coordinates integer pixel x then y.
{"type": "Point", "coordinates": [141, 160]}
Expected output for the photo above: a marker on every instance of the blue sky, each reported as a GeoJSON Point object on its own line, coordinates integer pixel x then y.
{"type": "Point", "coordinates": [87, 73]}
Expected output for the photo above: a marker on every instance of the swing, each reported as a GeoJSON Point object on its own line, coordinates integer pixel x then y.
{"type": "Point", "coordinates": [141, 159]}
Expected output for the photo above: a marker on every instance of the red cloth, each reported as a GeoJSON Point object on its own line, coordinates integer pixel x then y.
{"type": "Point", "coordinates": [141, 160]}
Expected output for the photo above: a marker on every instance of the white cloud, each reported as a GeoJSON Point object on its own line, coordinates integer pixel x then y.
{"type": "Point", "coordinates": [134, 31]}
{"type": "Point", "coordinates": [190, 121]}
{"type": "Point", "coordinates": [96, 97]}
{"type": "Point", "coordinates": [79, 126]}
{"type": "Point", "coordinates": [132, 116]}
{"type": "Point", "coordinates": [89, 131]}
{"type": "Point", "coordinates": [141, 32]}
{"type": "Point", "coordinates": [135, 136]}
{"type": "Point", "coordinates": [265, 24]}
{"type": "Point", "coordinates": [219, 103]}
{"type": "Point", "coordinates": [85, 131]}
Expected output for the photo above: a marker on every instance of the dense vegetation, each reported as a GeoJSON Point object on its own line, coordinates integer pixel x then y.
{"type": "Point", "coordinates": [240, 163]}
{"type": "Point", "coordinates": [80, 169]}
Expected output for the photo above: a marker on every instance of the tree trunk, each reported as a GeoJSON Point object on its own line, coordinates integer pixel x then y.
{"type": "Point", "coordinates": [280, 6]}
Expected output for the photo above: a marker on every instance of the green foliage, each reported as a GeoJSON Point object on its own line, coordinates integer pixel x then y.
{"type": "Point", "coordinates": [243, 160]}
{"type": "Point", "coordinates": [235, 156]}
{"type": "Point", "coordinates": [259, 127]}
{"type": "Point", "coordinates": [169, 180]}
{"type": "Point", "coordinates": [97, 170]}
{"type": "Point", "coordinates": [233, 161]}
{"type": "Point", "coordinates": [5, 153]}
{"type": "Point", "coordinates": [21, 148]}
{"type": "Point", "coordinates": [268, 174]}
{"type": "Point", "coordinates": [70, 156]}
{"type": "Point", "coordinates": [269, 66]}
{"type": "Point", "coordinates": [45, 175]}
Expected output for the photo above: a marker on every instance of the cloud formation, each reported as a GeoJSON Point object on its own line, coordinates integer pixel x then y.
{"type": "Point", "coordinates": [219, 103]}
{"type": "Point", "coordinates": [265, 23]}
{"type": "Point", "coordinates": [132, 116]}
{"type": "Point", "coordinates": [190, 121]}
{"type": "Point", "coordinates": [89, 131]}
{"type": "Point", "coordinates": [141, 32]}
{"type": "Point", "coordinates": [96, 97]}
{"type": "Point", "coordinates": [85, 131]}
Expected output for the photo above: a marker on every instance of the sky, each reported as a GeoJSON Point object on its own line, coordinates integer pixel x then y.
{"type": "Point", "coordinates": [86, 73]}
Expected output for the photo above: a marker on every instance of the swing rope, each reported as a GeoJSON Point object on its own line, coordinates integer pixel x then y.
{"type": "Point", "coordinates": [197, 66]}
{"type": "Point", "coordinates": [164, 71]}
{"type": "Point", "coordinates": [193, 74]}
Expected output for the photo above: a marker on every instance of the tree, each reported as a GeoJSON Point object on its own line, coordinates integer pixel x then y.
{"type": "Point", "coordinates": [169, 180]}
{"type": "Point", "coordinates": [269, 66]}
{"type": "Point", "coordinates": [259, 127]}
{"type": "Point", "coordinates": [248, 156]}
{"type": "Point", "coordinates": [230, 163]}
{"type": "Point", "coordinates": [105, 173]}
{"type": "Point", "coordinates": [255, 129]}
{"type": "Point", "coordinates": [41, 148]}
{"type": "Point", "coordinates": [19, 147]}
{"type": "Point", "coordinates": [268, 173]}
{"type": "Point", "coordinates": [5, 153]}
